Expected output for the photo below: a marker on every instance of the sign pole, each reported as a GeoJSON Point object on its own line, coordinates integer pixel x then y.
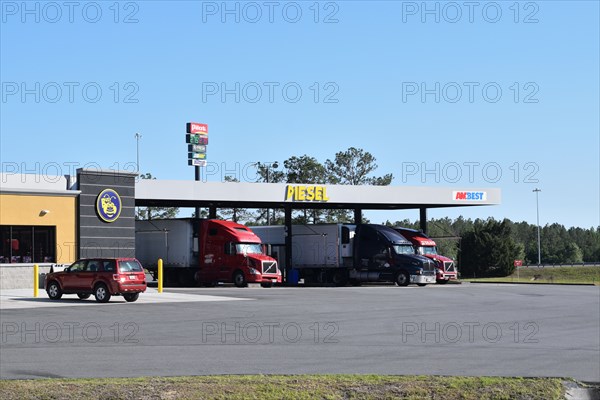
{"type": "Point", "coordinates": [197, 172]}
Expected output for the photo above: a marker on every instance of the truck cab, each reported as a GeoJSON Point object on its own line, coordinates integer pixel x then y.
{"type": "Point", "coordinates": [231, 252]}
{"type": "Point", "coordinates": [425, 246]}
{"type": "Point", "coordinates": [382, 254]}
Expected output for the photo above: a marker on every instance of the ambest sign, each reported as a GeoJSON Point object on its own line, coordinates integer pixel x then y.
{"type": "Point", "coordinates": [469, 196]}
{"type": "Point", "coordinates": [306, 193]}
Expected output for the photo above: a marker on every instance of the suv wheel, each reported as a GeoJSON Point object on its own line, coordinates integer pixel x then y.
{"type": "Point", "coordinates": [131, 297]}
{"type": "Point", "coordinates": [83, 296]}
{"type": "Point", "coordinates": [101, 293]}
{"type": "Point", "coordinates": [54, 291]}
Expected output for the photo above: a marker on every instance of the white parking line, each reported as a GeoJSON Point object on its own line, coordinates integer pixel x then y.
{"type": "Point", "coordinates": [23, 298]}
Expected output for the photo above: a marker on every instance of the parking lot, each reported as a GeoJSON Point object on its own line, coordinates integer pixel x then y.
{"type": "Point", "coordinates": [469, 329]}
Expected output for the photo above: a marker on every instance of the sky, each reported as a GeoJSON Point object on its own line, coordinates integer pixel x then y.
{"type": "Point", "coordinates": [455, 94]}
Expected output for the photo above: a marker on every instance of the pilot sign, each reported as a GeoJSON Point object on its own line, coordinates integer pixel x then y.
{"type": "Point", "coordinates": [197, 139]}
{"type": "Point", "coordinates": [108, 205]}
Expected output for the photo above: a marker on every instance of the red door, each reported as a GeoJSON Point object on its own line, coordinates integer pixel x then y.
{"type": "Point", "coordinates": [211, 265]}
{"type": "Point", "coordinates": [86, 277]}
{"type": "Point", "coordinates": [71, 278]}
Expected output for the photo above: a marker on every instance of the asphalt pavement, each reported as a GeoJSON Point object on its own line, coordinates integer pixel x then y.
{"type": "Point", "coordinates": [469, 329]}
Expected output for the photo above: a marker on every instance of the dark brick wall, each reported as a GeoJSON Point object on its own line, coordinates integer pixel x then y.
{"type": "Point", "coordinates": [98, 238]}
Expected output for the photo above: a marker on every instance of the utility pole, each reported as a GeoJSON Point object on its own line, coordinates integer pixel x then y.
{"type": "Point", "coordinates": [137, 163]}
{"type": "Point", "coordinates": [537, 206]}
{"type": "Point", "coordinates": [268, 166]}
{"type": "Point", "coordinates": [138, 136]}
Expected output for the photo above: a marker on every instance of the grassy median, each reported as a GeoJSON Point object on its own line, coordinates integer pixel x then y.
{"type": "Point", "coordinates": [580, 275]}
{"type": "Point", "coordinates": [285, 387]}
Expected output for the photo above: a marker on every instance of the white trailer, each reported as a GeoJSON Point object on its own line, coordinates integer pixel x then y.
{"type": "Point", "coordinates": [313, 246]}
{"type": "Point", "coordinates": [169, 239]}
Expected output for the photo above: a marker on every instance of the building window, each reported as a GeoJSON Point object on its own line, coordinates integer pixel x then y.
{"type": "Point", "coordinates": [27, 244]}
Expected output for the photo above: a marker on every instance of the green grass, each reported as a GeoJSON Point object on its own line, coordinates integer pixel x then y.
{"type": "Point", "coordinates": [286, 387]}
{"type": "Point", "coordinates": [590, 275]}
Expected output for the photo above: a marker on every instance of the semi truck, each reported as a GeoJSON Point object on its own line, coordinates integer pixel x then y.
{"type": "Point", "coordinates": [424, 245]}
{"type": "Point", "coordinates": [341, 253]}
{"type": "Point", "coordinates": [204, 251]}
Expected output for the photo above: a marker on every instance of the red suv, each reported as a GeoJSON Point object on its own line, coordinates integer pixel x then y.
{"type": "Point", "coordinates": [102, 277]}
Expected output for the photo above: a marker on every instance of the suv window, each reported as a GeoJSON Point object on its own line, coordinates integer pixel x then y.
{"type": "Point", "coordinates": [78, 266]}
{"type": "Point", "coordinates": [129, 266]}
{"type": "Point", "coordinates": [93, 266]}
{"type": "Point", "coordinates": [110, 266]}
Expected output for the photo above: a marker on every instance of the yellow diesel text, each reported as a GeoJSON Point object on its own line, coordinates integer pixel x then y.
{"type": "Point", "coordinates": [306, 193]}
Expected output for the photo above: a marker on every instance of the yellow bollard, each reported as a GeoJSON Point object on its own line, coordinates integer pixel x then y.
{"type": "Point", "coordinates": [36, 280]}
{"type": "Point", "coordinates": [160, 275]}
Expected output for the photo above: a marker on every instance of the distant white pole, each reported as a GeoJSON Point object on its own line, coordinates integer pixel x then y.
{"type": "Point", "coordinates": [537, 206]}
{"type": "Point", "coordinates": [137, 163]}
{"type": "Point", "coordinates": [267, 166]}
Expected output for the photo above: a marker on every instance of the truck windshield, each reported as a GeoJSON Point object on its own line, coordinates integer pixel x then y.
{"type": "Point", "coordinates": [427, 250]}
{"type": "Point", "coordinates": [403, 249]}
{"type": "Point", "coordinates": [248, 248]}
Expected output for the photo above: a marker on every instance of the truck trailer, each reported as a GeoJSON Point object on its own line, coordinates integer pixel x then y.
{"type": "Point", "coordinates": [341, 253]}
{"type": "Point", "coordinates": [204, 251]}
{"type": "Point", "coordinates": [426, 246]}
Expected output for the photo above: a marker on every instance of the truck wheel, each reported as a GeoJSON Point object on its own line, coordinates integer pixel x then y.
{"type": "Point", "coordinates": [402, 279]}
{"type": "Point", "coordinates": [421, 284]}
{"type": "Point", "coordinates": [168, 279]}
{"type": "Point", "coordinates": [83, 296]}
{"type": "Point", "coordinates": [309, 277]}
{"type": "Point", "coordinates": [186, 278]}
{"type": "Point", "coordinates": [101, 293]}
{"type": "Point", "coordinates": [54, 291]}
{"type": "Point", "coordinates": [266, 285]}
{"type": "Point", "coordinates": [339, 278]}
{"type": "Point", "coordinates": [355, 282]}
{"type": "Point", "coordinates": [442, 281]}
{"type": "Point", "coordinates": [131, 297]}
{"type": "Point", "coordinates": [239, 280]}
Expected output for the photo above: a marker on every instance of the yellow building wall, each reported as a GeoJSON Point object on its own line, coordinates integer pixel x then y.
{"type": "Point", "coordinates": [17, 209]}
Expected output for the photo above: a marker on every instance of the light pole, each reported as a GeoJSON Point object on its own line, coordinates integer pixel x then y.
{"type": "Point", "coordinates": [267, 167]}
{"type": "Point", "coordinates": [138, 136]}
{"type": "Point", "coordinates": [537, 206]}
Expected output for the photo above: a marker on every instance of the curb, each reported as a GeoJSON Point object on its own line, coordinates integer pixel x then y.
{"type": "Point", "coordinates": [532, 283]}
{"type": "Point", "coordinates": [575, 390]}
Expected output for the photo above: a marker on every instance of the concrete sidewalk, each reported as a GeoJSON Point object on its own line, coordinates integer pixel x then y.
{"type": "Point", "coordinates": [23, 298]}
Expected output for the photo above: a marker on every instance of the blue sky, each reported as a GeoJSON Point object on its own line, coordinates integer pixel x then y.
{"type": "Point", "coordinates": [495, 87]}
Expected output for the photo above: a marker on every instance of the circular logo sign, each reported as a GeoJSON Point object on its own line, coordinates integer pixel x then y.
{"type": "Point", "coordinates": [108, 205]}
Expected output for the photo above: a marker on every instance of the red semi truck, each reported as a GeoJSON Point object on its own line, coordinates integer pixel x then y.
{"type": "Point", "coordinates": [204, 251]}
{"type": "Point", "coordinates": [424, 245]}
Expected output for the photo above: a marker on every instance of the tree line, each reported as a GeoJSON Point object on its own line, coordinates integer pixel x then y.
{"type": "Point", "coordinates": [353, 166]}
{"type": "Point", "coordinates": [489, 247]}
